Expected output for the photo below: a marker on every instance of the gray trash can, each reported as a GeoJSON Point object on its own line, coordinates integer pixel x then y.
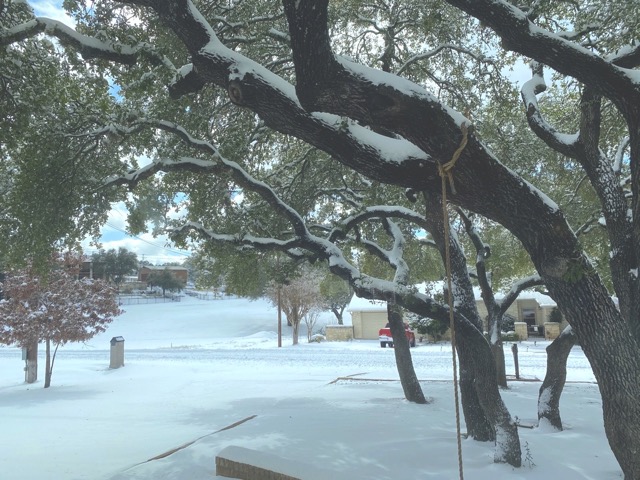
{"type": "Point", "coordinates": [117, 352]}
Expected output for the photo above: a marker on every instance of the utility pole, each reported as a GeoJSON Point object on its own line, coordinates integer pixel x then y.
{"type": "Point", "coordinates": [279, 298]}
{"type": "Point", "coordinates": [279, 317]}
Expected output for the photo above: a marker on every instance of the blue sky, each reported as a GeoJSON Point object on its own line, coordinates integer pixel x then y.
{"type": "Point", "coordinates": [156, 250]}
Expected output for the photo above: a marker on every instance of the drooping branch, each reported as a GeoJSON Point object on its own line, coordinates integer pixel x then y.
{"type": "Point", "coordinates": [218, 165]}
{"type": "Point", "coordinates": [88, 47]}
{"type": "Point", "coordinates": [563, 143]}
{"type": "Point", "coordinates": [520, 34]}
{"type": "Point", "coordinates": [378, 211]}
{"type": "Point", "coordinates": [483, 252]}
{"type": "Point", "coordinates": [516, 289]}
{"type": "Point", "coordinates": [394, 256]}
{"type": "Point", "coordinates": [302, 239]}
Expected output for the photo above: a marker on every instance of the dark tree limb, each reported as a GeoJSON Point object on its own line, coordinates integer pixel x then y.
{"type": "Point", "coordinates": [521, 35]}
{"type": "Point", "coordinates": [408, 379]}
{"type": "Point", "coordinates": [554, 380]}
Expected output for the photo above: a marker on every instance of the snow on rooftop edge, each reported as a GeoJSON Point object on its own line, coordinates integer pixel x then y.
{"type": "Point", "coordinates": [358, 304]}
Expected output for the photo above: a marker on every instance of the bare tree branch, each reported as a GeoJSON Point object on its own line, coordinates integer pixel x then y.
{"type": "Point", "coordinates": [563, 143]}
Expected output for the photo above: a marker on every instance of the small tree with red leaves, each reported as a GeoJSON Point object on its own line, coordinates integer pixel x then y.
{"type": "Point", "coordinates": [54, 307]}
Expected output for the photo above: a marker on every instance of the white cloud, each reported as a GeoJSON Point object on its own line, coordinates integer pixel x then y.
{"type": "Point", "coordinates": [52, 9]}
{"type": "Point", "coordinates": [157, 250]}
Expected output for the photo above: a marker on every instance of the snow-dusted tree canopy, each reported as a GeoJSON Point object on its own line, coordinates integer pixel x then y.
{"type": "Point", "coordinates": [308, 128]}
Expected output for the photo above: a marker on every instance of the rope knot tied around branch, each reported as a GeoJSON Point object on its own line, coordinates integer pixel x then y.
{"type": "Point", "coordinates": [444, 169]}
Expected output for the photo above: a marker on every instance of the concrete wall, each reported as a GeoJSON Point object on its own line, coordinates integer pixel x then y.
{"type": "Point", "coordinates": [339, 333]}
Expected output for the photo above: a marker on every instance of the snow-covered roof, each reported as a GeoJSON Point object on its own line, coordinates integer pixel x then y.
{"type": "Point", "coordinates": [164, 267]}
{"type": "Point", "coordinates": [358, 304]}
{"type": "Point", "coordinates": [363, 305]}
{"type": "Point", "coordinates": [541, 299]}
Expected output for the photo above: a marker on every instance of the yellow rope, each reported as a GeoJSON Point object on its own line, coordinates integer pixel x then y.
{"type": "Point", "coordinates": [445, 174]}
{"type": "Point", "coordinates": [445, 169]}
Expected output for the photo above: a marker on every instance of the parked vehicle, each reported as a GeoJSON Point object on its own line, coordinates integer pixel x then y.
{"type": "Point", "coordinates": [384, 334]}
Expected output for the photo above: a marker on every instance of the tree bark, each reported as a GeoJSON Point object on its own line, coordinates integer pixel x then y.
{"type": "Point", "coordinates": [495, 339]}
{"type": "Point", "coordinates": [32, 363]}
{"type": "Point", "coordinates": [482, 364]}
{"type": "Point", "coordinates": [497, 349]}
{"type": "Point", "coordinates": [338, 313]}
{"type": "Point", "coordinates": [295, 323]}
{"type": "Point", "coordinates": [613, 353]}
{"type": "Point", "coordinates": [47, 371]}
{"type": "Point", "coordinates": [477, 422]}
{"type": "Point", "coordinates": [554, 380]}
{"type": "Point", "coordinates": [402, 350]}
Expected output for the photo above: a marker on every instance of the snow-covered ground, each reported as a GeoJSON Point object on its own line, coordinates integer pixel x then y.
{"type": "Point", "coordinates": [195, 367]}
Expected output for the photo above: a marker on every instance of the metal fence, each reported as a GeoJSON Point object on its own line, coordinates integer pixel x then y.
{"type": "Point", "coordinates": [143, 299]}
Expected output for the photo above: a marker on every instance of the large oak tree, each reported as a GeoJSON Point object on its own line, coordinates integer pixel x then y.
{"type": "Point", "coordinates": [382, 129]}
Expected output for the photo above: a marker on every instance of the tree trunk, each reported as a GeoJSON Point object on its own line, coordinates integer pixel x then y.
{"type": "Point", "coordinates": [32, 363]}
{"type": "Point", "coordinates": [480, 361]}
{"type": "Point", "coordinates": [408, 379]}
{"type": "Point", "coordinates": [486, 415]}
{"type": "Point", "coordinates": [295, 323]}
{"type": "Point", "coordinates": [338, 313]}
{"type": "Point", "coordinates": [612, 351]}
{"type": "Point", "coordinates": [497, 349]}
{"type": "Point", "coordinates": [477, 423]}
{"type": "Point", "coordinates": [47, 368]}
{"type": "Point", "coordinates": [494, 326]}
{"type": "Point", "coordinates": [551, 389]}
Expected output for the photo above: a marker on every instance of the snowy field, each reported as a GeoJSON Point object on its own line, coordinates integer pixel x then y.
{"type": "Point", "coordinates": [195, 367]}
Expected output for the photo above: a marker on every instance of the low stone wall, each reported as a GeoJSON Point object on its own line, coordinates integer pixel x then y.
{"type": "Point", "coordinates": [245, 464]}
{"type": "Point", "coordinates": [339, 333]}
{"type": "Point", "coordinates": [551, 330]}
{"type": "Point", "coordinates": [521, 330]}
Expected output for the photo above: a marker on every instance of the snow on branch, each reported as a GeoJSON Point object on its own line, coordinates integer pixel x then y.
{"type": "Point", "coordinates": [302, 239]}
{"type": "Point", "coordinates": [88, 47]}
{"type": "Point", "coordinates": [627, 57]}
{"type": "Point", "coordinates": [574, 35]}
{"type": "Point", "coordinates": [372, 97]}
{"type": "Point", "coordinates": [290, 246]}
{"type": "Point", "coordinates": [378, 211]}
{"type": "Point", "coordinates": [394, 256]}
{"type": "Point", "coordinates": [517, 288]}
{"type": "Point", "coordinates": [520, 34]}
{"type": "Point", "coordinates": [217, 165]}
{"type": "Point", "coordinates": [618, 158]}
{"type": "Point", "coordinates": [563, 143]}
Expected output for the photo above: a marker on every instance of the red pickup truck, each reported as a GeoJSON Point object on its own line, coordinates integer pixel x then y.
{"type": "Point", "coordinates": [384, 334]}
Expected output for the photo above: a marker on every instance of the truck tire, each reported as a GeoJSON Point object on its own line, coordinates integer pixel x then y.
{"type": "Point", "coordinates": [383, 344]}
